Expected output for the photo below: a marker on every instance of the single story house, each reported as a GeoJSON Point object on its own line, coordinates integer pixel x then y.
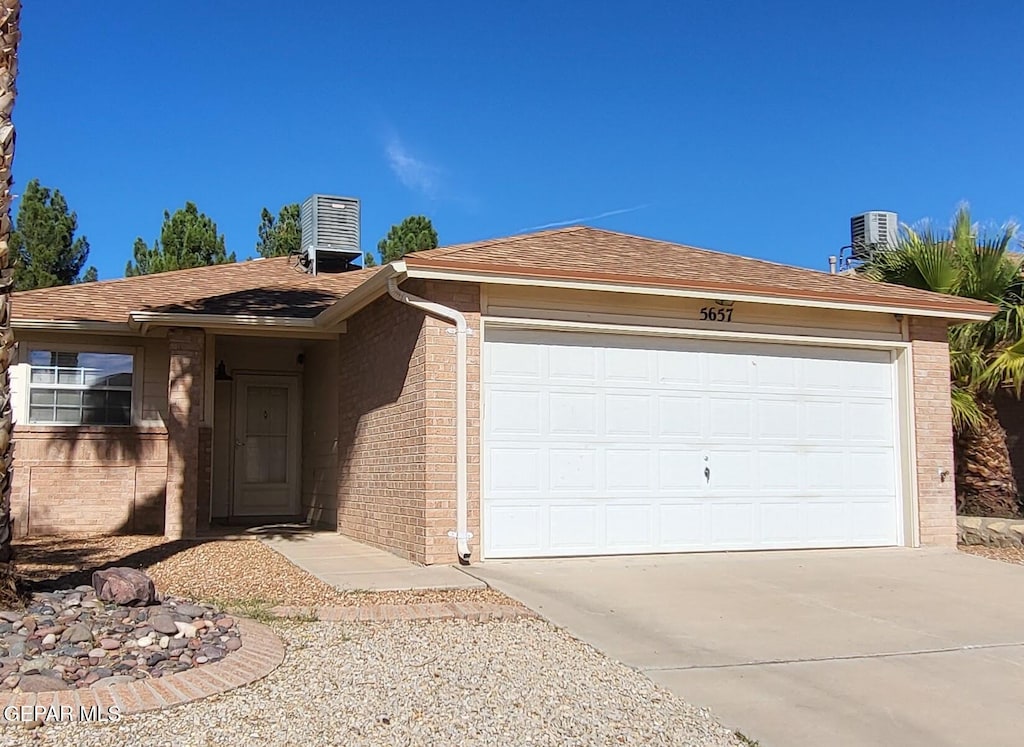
{"type": "Point", "coordinates": [567, 392]}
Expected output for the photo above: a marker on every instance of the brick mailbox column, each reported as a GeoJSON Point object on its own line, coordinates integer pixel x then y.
{"type": "Point", "coordinates": [184, 413]}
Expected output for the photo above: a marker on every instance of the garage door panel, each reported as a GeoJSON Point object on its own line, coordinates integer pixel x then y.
{"type": "Point", "coordinates": [573, 528]}
{"type": "Point", "coordinates": [629, 470]}
{"type": "Point", "coordinates": [869, 422]}
{"type": "Point", "coordinates": [572, 470]}
{"type": "Point", "coordinates": [514, 529]}
{"type": "Point", "coordinates": [680, 470]}
{"type": "Point", "coordinates": [779, 472]}
{"type": "Point", "coordinates": [866, 518]}
{"type": "Point", "coordinates": [825, 469]}
{"type": "Point", "coordinates": [827, 520]}
{"type": "Point", "coordinates": [630, 526]}
{"type": "Point", "coordinates": [679, 417]}
{"type": "Point", "coordinates": [572, 413]}
{"type": "Point", "coordinates": [730, 417]}
{"type": "Point", "coordinates": [773, 372]}
{"type": "Point", "coordinates": [679, 368]}
{"type": "Point", "coordinates": [731, 471]}
{"type": "Point", "coordinates": [510, 362]}
{"type": "Point", "coordinates": [732, 525]}
{"type": "Point", "coordinates": [868, 472]}
{"type": "Point", "coordinates": [681, 525]}
{"type": "Point", "coordinates": [516, 411]}
{"type": "Point", "coordinates": [515, 471]}
{"type": "Point", "coordinates": [781, 523]}
{"type": "Point", "coordinates": [596, 445]}
{"type": "Point", "coordinates": [629, 415]}
{"type": "Point", "coordinates": [779, 420]}
{"type": "Point", "coordinates": [629, 366]}
{"type": "Point", "coordinates": [823, 421]}
{"type": "Point", "coordinates": [576, 364]}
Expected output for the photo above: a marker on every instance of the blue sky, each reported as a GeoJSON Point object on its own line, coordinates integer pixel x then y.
{"type": "Point", "coordinates": [751, 127]}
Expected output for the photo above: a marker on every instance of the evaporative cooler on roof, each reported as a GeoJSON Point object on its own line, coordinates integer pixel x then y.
{"type": "Point", "coordinates": [873, 231]}
{"type": "Point", "coordinates": [330, 234]}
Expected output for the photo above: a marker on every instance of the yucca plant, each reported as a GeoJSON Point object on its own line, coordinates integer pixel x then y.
{"type": "Point", "coordinates": [985, 357]}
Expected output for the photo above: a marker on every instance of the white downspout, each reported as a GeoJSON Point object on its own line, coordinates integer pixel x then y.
{"type": "Point", "coordinates": [461, 533]}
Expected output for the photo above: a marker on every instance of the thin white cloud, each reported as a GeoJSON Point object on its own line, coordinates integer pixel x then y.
{"type": "Point", "coordinates": [412, 172]}
{"type": "Point", "coordinates": [585, 218]}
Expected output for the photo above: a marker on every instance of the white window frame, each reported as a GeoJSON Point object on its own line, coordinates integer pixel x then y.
{"type": "Point", "coordinates": [22, 409]}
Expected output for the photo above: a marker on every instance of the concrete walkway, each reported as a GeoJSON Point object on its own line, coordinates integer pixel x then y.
{"type": "Point", "coordinates": [846, 647]}
{"type": "Point", "coordinates": [352, 566]}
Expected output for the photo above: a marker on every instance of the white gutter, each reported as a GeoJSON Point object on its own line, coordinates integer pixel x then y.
{"type": "Point", "coordinates": [461, 533]}
{"type": "Point", "coordinates": [141, 321]}
{"type": "Point", "coordinates": [67, 325]}
{"type": "Point", "coordinates": [362, 295]}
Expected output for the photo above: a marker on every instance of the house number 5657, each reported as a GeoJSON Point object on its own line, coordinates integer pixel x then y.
{"type": "Point", "coordinates": [716, 314]}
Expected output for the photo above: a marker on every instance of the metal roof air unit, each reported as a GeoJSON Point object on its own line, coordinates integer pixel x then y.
{"type": "Point", "coordinates": [330, 234]}
{"type": "Point", "coordinates": [873, 231]}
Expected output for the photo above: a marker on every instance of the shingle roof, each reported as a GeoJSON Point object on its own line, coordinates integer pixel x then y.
{"type": "Point", "coordinates": [277, 288]}
{"type": "Point", "coordinates": [262, 287]}
{"type": "Point", "coordinates": [592, 254]}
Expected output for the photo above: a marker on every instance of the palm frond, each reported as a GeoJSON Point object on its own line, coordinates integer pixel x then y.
{"type": "Point", "coordinates": [967, 415]}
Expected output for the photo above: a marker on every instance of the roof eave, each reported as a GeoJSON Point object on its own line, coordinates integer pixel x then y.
{"type": "Point", "coordinates": [143, 321]}
{"type": "Point", "coordinates": [361, 296]}
{"type": "Point", "coordinates": [463, 274]}
{"type": "Point", "coordinates": [73, 325]}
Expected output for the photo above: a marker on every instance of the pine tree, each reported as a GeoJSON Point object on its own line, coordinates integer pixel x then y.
{"type": "Point", "coordinates": [188, 238]}
{"type": "Point", "coordinates": [414, 234]}
{"type": "Point", "coordinates": [280, 237]}
{"type": "Point", "coordinates": [44, 242]}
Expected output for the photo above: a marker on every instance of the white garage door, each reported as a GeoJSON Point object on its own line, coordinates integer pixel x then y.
{"type": "Point", "coordinates": [597, 444]}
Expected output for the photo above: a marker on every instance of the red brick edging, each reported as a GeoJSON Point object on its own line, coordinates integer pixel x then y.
{"type": "Point", "coordinates": [475, 611]}
{"type": "Point", "coordinates": [261, 653]}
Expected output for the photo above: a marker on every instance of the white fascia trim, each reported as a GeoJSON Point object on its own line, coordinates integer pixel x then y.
{"type": "Point", "coordinates": [361, 296]}
{"type": "Point", "coordinates": [144, 320]}
{"type": "Point", "coordinates": [482, 277]}
{"type": "Point", "coordinates": [54, 325]}
{"type": "Point", "coordinates": [705, 334]}
{"type": "Point", "coordinates": [57, 325]}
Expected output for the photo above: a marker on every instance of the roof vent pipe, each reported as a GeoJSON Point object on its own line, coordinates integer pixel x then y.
{"type": "Point", "coordinates": [462, 331]}
{"type": "Point", "coordinates": [832, 262]}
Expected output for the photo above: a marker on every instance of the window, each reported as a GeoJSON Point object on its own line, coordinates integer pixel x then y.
{"type": "Point", "coordinates": [80, 388]}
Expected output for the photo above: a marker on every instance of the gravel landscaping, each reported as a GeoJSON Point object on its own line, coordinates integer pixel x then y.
{"type": "Point", "coordinates": [1005, 554]}
{"type": "Point", "coordinates": [454, 682]}
{"type": "Point", "coordinates": [227, 572]}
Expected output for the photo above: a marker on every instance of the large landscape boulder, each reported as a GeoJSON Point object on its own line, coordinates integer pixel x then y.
{"type": "Point", "coordinates": [125, 586]}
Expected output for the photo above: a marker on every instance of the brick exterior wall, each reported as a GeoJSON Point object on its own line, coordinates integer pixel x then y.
{"type": "Point", "coordinates": [396, 434]}
{"type": "Point", "coordinates": [89, 480]}
{"type": "Point", "coordinates": [933, 431]}
{"type": "Point", "coordinates": [440, 421]}
{"type": "Point", "coordinates": [185, 411]}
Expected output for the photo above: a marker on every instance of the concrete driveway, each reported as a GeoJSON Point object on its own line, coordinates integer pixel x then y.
{"type": "Point", "coordinates": [844, 647]}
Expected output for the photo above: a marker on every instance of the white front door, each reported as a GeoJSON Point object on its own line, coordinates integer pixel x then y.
{"type": "Point", "coordinates": [266, 445]}
{"type": "Point", "coordinates": [600, 444]}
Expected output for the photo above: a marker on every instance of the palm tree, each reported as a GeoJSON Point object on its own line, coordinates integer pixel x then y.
{"type": "Point", "coordinates": [10, 34]}
{"type": "Point", "coordinates": [985, 357]}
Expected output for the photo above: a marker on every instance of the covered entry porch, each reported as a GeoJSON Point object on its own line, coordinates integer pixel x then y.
{"type": "Point", "coordinates": [265, 431]}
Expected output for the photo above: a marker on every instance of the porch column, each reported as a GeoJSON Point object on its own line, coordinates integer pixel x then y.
{"type": "Point", "coordinates": [184, 412]}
